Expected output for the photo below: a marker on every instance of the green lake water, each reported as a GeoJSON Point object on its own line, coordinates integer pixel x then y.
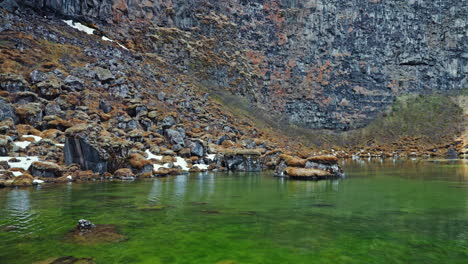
{"type": "Point", "coordinates": [382, 212]}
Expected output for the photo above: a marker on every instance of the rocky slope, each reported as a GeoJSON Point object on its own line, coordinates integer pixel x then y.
{"type": "Point", "coordinates": [314, 63]}
{"type": "Point", "coordinates": [125, 89]}
{"type": "Point", "coordinates": [76, 105]}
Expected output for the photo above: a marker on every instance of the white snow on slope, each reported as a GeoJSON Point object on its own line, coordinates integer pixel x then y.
{"type": "Point", "coordinates": [24, 162]}
{"type": "Point", "coordinates": [89, 31]}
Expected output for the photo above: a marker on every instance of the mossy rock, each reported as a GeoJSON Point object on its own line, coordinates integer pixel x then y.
{"type": "Point", "coordinates": [306, 174]}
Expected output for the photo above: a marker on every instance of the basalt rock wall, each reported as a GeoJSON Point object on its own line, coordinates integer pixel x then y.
{"type": "Point", "coordinates": [316, 63]}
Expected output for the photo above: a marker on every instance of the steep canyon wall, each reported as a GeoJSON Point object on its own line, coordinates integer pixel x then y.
{"type": "Point", "coordinates": [329, 64]}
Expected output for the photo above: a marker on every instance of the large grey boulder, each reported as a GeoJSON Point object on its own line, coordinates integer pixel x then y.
{"type": "Point", "coordinates": [175, 137]}
{"type": "Point", "coordinates": [197, 148]}
{"type": "Point", "coordinates": [242, 160]}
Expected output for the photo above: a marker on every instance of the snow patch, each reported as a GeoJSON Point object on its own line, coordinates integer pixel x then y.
{"type": "Point", "coordinates": [79, 26]}
{"type": "Point", "coordinates": [90, 31]}
{"type": "Point", "coordinates": [36, 181]}
{"type": "Point", "coordinates": [201, 166]}
{"type": "Point", "coordinates": [60, 145]}
{"type": "Point", "coordinates": [22, 144]}
{"type": "Point", "coordinates": [181, 163]}
{"type": "Point", "coordinates": [24, 162]}
{"type": "Point", "coordinates": [16, 173]}
{"type": "Point", "coordinates": [108, 39]}
{"type": "Point", "coordinates": [36, 138]}
{"type": "Point", "coordinates": [211, 156]}
{"type": "Point", "coordinates": [156, 167]}
{"type": "Point", "coordinates": [152, 156]}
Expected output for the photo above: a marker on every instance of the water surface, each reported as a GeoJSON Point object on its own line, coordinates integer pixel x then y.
{"type": "Point", "coordinates": [383, 212]}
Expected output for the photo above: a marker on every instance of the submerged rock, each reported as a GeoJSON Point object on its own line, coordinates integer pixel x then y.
{"type": "Point", "coordinates": [67, 260]}
{"type": "Point", "coordinates": [86, 233]}
{"type": "Point", "coordinates": [84, 224]}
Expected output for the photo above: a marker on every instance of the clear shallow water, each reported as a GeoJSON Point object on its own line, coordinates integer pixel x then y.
{"type": "Point", "coordinates": [383, 212]}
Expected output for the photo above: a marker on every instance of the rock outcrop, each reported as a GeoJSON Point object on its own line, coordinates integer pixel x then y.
{"type": "Point", "coordinates": [311, 168]}
{"type": "Point", "coordinates": [81, 147]}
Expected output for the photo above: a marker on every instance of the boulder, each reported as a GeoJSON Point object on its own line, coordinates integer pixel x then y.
{"type": "Point", "coordinates": [73, 83]}
{"type": "Point", "coordinates": [167, 122]}
{"type": "Point", "coordinates": [38, 76]}
{"type": "Point", "coordinates": [45, 169]}
{"type": "Point", "coordinates": [6, 145]}
{"type": "Point", "coordinates": [49, 89]}
{"type": "Point", "coordinates": [241, 160]}
{"type": "Point", "coordinates": [306, 173]}
{"type": "Point", "coordinates": [86, 233]}
{"type": "Point", "coordinates": [30, 114]}
{"type": "Point", "coordinates": [312, 168]}
{"type": "Point", "coordinates": [105, 106]}
{"type": "Point", "coordinates": [124, 174]}
{"type": "Point", "coordinates": [10, 5]}
{"type": "Point", "coordinates": [103, 75]}
{"type": "Point", "coordinates": [13, 83]}
{"type": "Point", "coordinates": [84, 224]}
{"type": "Point", "coordinates": [23, 180]}
{"type": "Point", "coordinates": [175, 137]}
{"type": "Point", "coordinates": [197, 148]}
{"type": "Point", "coordinates": [7, 111]}
{"type": "Point", "coordinates": [26, 98]}
{"type": "Point", "coordinates": [81, 147]}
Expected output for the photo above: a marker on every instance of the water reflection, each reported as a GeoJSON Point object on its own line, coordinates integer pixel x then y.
{"type": "Point", "coordinates": [19, 214]}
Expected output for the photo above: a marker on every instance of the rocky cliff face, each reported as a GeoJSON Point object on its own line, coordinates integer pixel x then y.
{"type": "Point", "coordinates": [316, 63]}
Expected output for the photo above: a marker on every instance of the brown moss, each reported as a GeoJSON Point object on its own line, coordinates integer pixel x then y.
{"type": "Point", "coordinates": [302, 172]}
{"type": "Point", "coordinates": [23, 180]}
{"type": "Point", "coordinates": [324, 159]}
{"type": "Point", "coordinates": [293, 161]}
{"type": "Point", "coordinates": [57, 123]}
{"type": "Point", "coordinates": [138, 161]}
{"type": "Point", "coordinates": [28, 130]}
{"type": "Point", "coordinates": [124, 172]}
{"type": "Point", "coordinates": [239, 151]}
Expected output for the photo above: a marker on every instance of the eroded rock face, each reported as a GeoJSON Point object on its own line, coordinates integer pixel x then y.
{"type": "Point", "coordinates": [318, 64]}
{"type": "Point", "coordinates": [81, 148]}
{"type": "Point", "coordinates": [242, 160]}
